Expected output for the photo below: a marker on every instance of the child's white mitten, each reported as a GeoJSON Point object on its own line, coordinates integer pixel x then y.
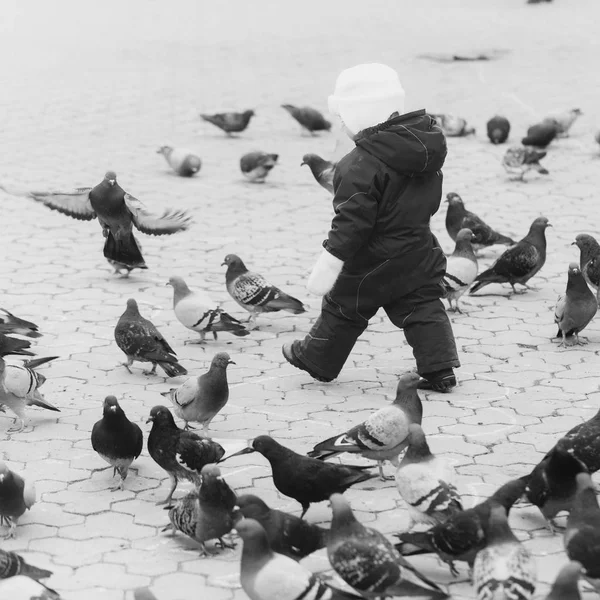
{"type": "Point", "coordinates": [324, 274]}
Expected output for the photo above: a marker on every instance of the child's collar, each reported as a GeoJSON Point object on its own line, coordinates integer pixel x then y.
{"type": "Point", "coordinates": [394, 119]}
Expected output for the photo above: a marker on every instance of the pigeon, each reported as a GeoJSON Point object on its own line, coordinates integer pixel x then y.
{"type": "Point", "coordinates": [253, 293]}
{"type": "Point", "coordinates": [423, 482]}
{"type": "Point", "coordinates": [13, 564]}
{"type": "Point", "coordinates": [541, 135]}
{"type": "Point", "coordinates": [183, 162]}
{"type": "Point", "coordinates": [199, 399]}
{"type": "Point", "coordinates": [230, 122]}
{"type": "Point", "coordinates": [11, 345]}
{"type": "Point", "coordinates": [458, 217]}
{"type": "Point", "coordinates": [384, 434]}
{"type": "Point", "coordinates": [552, 484]}
{"type": "Point", "coordinates": [309, 118]}
{"type": "Point", "coordinates": [22, 587]}
{"type": "Point", "coordinates": [312, 481]}
{"type": "Point", "coordinates": [565, 585]}
{"type": "Point", "coordinates": [453, 126]}
{"type": "Point", "coordinates": [16, 496]}
{"type": "Point", "coordinates": [504, 563]}
{"type": "Point", "coordinates": [19, 388]}
{"type": "Point", "coordinates": [518, 160]}
{"type": "Point", "coordinates": [563, 121]}
{"type": "Point", "coordinates": [575, 308]}
{"type": "Point", "coordinates": [182, 454]}
{"type": "Point", "coordinates": [461, 269]}
{"type": "Point", "coordinates": [139, 339]}
{"type": "Point", "coordinates": [519, 263]}
{"type": "Point", "coordinates": [368, 562]}
{"type": "Point", "coordinates": [461, 536]}
{"type": "Point", "coordinates": [256, 166]}
{"type": "Point", "coordinates": [287, 534]}
{"type": "Point", "coordinates": [116, 439]}
{"type": "Point", "coordinates": [10, 323]}
{"type": "Point", "coordinates": [117, 212]}
{"type": "Point", "coordinates": [143, 594]}
{"type": "Point", "coordinates": [498, 129]}
{"type": "Point", "coordinates": [597, 137]}
{"type": "Point", "coordinates": [322, 170]}
{"type": "Point", "coordinates": [589, 259]}
{"type": "Point", "coordinates": [196, 311]}
{"type": "Point", "coordinates": [268, 575]}
{"type": "Point", "coordinates": [208, 513]}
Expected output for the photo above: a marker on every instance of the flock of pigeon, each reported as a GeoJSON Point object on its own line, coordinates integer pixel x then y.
{"type": "Point", "coordinates": [367, 563]}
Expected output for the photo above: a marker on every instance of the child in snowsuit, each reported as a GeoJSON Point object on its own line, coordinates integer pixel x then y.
{"type": "Point", "coordinates": [380, 251]}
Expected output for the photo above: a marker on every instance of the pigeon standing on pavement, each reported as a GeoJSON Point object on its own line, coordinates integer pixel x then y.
{"type": "Point", "coordinates": [117, 212]}
{"type": "Point", "coordinates": [116, 439]}
{"type": "Point", "coordinates": [541, 135]}
{"type": "Point", "coordinates": [518, 160]}
{"type": "Point", "coordinates": [302, 478]}
{"type": "Point", "coordinates": [199, 399]}
{"type": "Point", "coordinates": [230, 122]}
{"type": "Point", "coordinates": [309, 118]}
{"type": "Point", "coordinates": [253, 293]}
{"type": "Point", "coordinates": [256, 166]}
{"type": "Point", "coordinates": [589, 259]}
{"type": "Point", "coordinates": [384, 434]}
{"type": "Point", "coordinates": [288, 534]}
{"type": "Point", "coordinates": [197, 312]}
{"type": "Point", "coordinates": [453, 126]}
{"type": "Point", "coordinates": [11, 345]}
{"type": "Point", "coordinates": [368, 562]}
{"type": "Point", "coordinates": [13, 564]}
{"type": "Point", "coordinates": [504, 562]}
{"type": "Point", "coordinates": [519, 263]}
{"type": "Point", "coordinates": [565, 585]}
{"type": "Point", "coordinates": [183, 162]}
{"type": "Point", "coordinates": [182, 454]}
{"type": "Point", "coordinates": [322, 170]}
{"type": "Point", "coordinates": [563, 121]}
{"type": "Point", "coordinates": [423, 481]}
{"type": "Point", "coordinates": [498, 129]}
{"type": "Point", "coordinates": [139, 339]}
{"type": "Point", "coordinates": [16, 496]}
{"type": "Point", "coordinates": [461, 269]}
{"type": "Point", "coordinates": [575, 308]}
{"type": "Point", "coordinates": [10, 323]}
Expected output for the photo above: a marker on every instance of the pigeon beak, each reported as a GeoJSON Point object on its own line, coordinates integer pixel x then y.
{"type": "Point", "coordinates": [165, 395]}
{"type": "Point", "coordinates": [150, 420]}
{"type": "Point", "coordinates": [113, 409]}
{"type": "Point", "coordinates": [573, 243]}
{"type": "Point", "coordinates": [168, 283]}
{"type": "Point", "coordinates": [223, 263]}
{"type": "Point", "coordinates": [237, 515]}
{"type": "Point", "coordinates": [231, 362]}
{"type": "Point", "coordinates": [248, 450]}
{"type": "Point", "coordinates": [302, 163]}
{"type": "Point", "coordinates": [111, 181]}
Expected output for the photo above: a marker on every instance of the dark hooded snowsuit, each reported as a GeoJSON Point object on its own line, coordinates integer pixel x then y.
{"type": "Point", "coordinates": [386, 190]}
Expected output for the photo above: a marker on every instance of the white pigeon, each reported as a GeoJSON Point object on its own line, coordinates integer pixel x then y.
{"type": "Point", "coordinates": [461, 269]}
{"type": "Point", "coordinates": [564, 120]}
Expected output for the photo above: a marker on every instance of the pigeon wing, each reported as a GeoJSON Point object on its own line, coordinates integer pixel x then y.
{"type": "Point", "coordinates": [194, 452]}
{"type": "Point", "coordinates": [171, 221]}
{"type": "Point", "coordinates": [518, 261]}
{"type": "Point", "coordinates": [75, 204]}
{"type": "Point", "coordinates": [253, 289]}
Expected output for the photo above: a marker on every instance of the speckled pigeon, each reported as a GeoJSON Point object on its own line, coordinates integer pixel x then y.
{"type": "Point", "coordinates": [13, 564]}
{"type": "Point", "coordinates": [518, 160]}
{"type": "Point", "coordinates": [230, 122]}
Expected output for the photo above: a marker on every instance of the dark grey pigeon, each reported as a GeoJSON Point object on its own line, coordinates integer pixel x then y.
{"type": "Point", "coordinates": [309, 118]}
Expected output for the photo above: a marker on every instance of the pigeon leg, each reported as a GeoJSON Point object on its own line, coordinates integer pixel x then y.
{"type": "Point", "coordinates": [382, 475]}
{"type": "Point", "coordinates": [188, 426]}
{"type": "Point", "coordinates": [12, 530]}
{"type": "Point", "coordinates": [204, 550]}
{"type": "Point", "coordinates": [252, 321]}
{"type": "Point", "coordinates": [127, 364]}
{"type": "Point", "coordinates": [453, 569]}
{"type": "Point", "coordinates": [579, 340]}
{"type": "Point", "coordinates": [224, 545]}
{"type": "Point", "coordinates": [173, 486]}
{"type": "Point", "coordinates": [18, 426]}
{"type": "Point", "coordinates": [305, 507]}
{"type": "Point", "coordinates": [152, 371]}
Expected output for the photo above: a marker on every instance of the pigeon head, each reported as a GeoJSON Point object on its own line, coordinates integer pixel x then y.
{"type": "Point", "coordinates": [210, 471]}
{"type": "Point", "coordinates": [565, 584]}
{"type": "Point", "coordinates": [577, 112]}
{"type": "Point", "coordinates": [267, 446]}
{"type": "Point", "coordinates": [221, 360]}
{"type": "Point", "coordinates": [161, 416]}
{"type": "Point", "coordinates": [233, 261]}
{"type": "Point", "coordinates": [540, 224]}
{"type": "Point", "coordinates": [507, 494]}
{"type": "Point", "coordinates": [256, 542]}
{"type": "Point", "coordinates": [454, 199]}
{"type": "Point", "coordinates": [408, 397]}
{"type": "Point", "coordinates": [588, 246]}
{"type": "Point", "coordinates": [4, 473]}
{"type": "Point", "coordinates": [132, 307]}
{"type": "Point", "coordinates": [165, 150]}
{"type": "Point", "coordinates": [408, 381]}
{"type": "Point", "coordinates": [418, 448]}
{"type": "Point", "coordinates": [342, 515]}
{"type": "Point", "coordinates": [574, 270]}
{"type": "Point", "coordinates": [252, 506]}
{"type": "Point", "coordinates": [464, 235]}
{"type": "Point", "coordinates": [180, 288]}
{"type": "Point", "coordinates": [110, 177]}
{"type": "Point", "coordinates": [312, 160]}
{"type": "Point", "coordinates": [497, 527]}
{"type": "Point", "coordinates": [249, 113]}
{"type": "Point", "coordinates": [111, 406]}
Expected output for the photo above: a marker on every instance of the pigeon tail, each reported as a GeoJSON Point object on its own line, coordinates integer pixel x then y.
{"type": "Point", "coordinates": [36, 362]}
{"type": "Point", "coordinates": [414, 542]}
{"type": "Point", "coordinates": [228, 323]}
{"type": "Point", "coordinates": [172, 369]}
{"type": "Point", "coordinates": [485, 278]}
{"type": "Point", "coordinates": [504, 239]}
{"type": "Point", "coordinates": [42, 403]}
{"type": "Point", "coordinates": [286, 302]}
{"type": "Point", "coordinates": [124, 250]}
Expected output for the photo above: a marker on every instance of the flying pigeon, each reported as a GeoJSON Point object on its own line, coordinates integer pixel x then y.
{"type": "Point", "coordinates": [196, 311]}
{"type": "Point", "coordinates": [22, 587]}
{"type": "Point", "coordinates": [322, 170]}
{"type": "Point", "coordinates": [498, 129]}
{"type": "Point", "coordinates": [19, 388]}
{"type": "Point", "coordinates": [384, 434]}
{"type": "Point", "coordinates": [453, 126]}
{"type": "Point", "coordinates": [575, 308]}
{"type": "Point", "coordinates": [117, 212]}
{"type": "Point", "coordinates": [368, 562]}
{"type": "Point", "coordinates": [463, 534]}
{"type": "Point", "coordinates": [139, 339]}
{"type": "Point", "coordinates": [10, 323]}
{"type": "Point", "coordinates": [504, 562]}
{"type": "Point", "coordinates": [268, 575]}
{"type": "Point", "coordinates": [116, 439]}
{"type": "Point", "coordinates": [565, 585]}
{"type": "Point", "coordinates": [230, 122]}
{"type": "Point", "coordinates": [256, 166]}
{"type": "Point", "coordinates": [288, 534]}
{"type": "Point", "coordinates": [461, 269]}
{"type": "Point", "coordinates": [518, 160]}
{"type": "Point", "coordinates": [208, 513]}
{"type": "Point", "coordinates": [199, 399]}
{"type": "Point", "coordinates": [519, 263]}
{"type": "Point", "coordinates": [541, 135]}
{"type": "Point", "coordinates": [13, 564]}
{"type": "Point", "coordinates": [563, 121]}
{"type": "Point", "coordinates": [312, 481]}
{"type": "Point", "coordinates": [458, 217]}
{"type": "Point", "coordinates": [16, 496]}
{"type": "Point", "coordinates": [182, 454]}
{"type": "Point", "coordinates": [582, 536]}
{"type": "Point", "coordinates": [423, 481]}
{"type": "Point", "coordinates": [11, 345]}
{"type": "Point", "coordinates": [589, 259]}
{"type": "Point", "coordinates": [253, 293]}
{"type": "Point", "coordinates": [183, 162]}
{"type": "Point", "coordinates": [309, 118]}
{"type": "Point", "coordinates": [552, 484]}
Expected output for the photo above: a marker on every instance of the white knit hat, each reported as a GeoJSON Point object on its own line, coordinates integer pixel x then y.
{"type": "Point", "coordinates": [366, 95]}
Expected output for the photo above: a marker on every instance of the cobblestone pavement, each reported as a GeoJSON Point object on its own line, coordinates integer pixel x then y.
{"type": "Point", "coordinates": [88, 89]}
